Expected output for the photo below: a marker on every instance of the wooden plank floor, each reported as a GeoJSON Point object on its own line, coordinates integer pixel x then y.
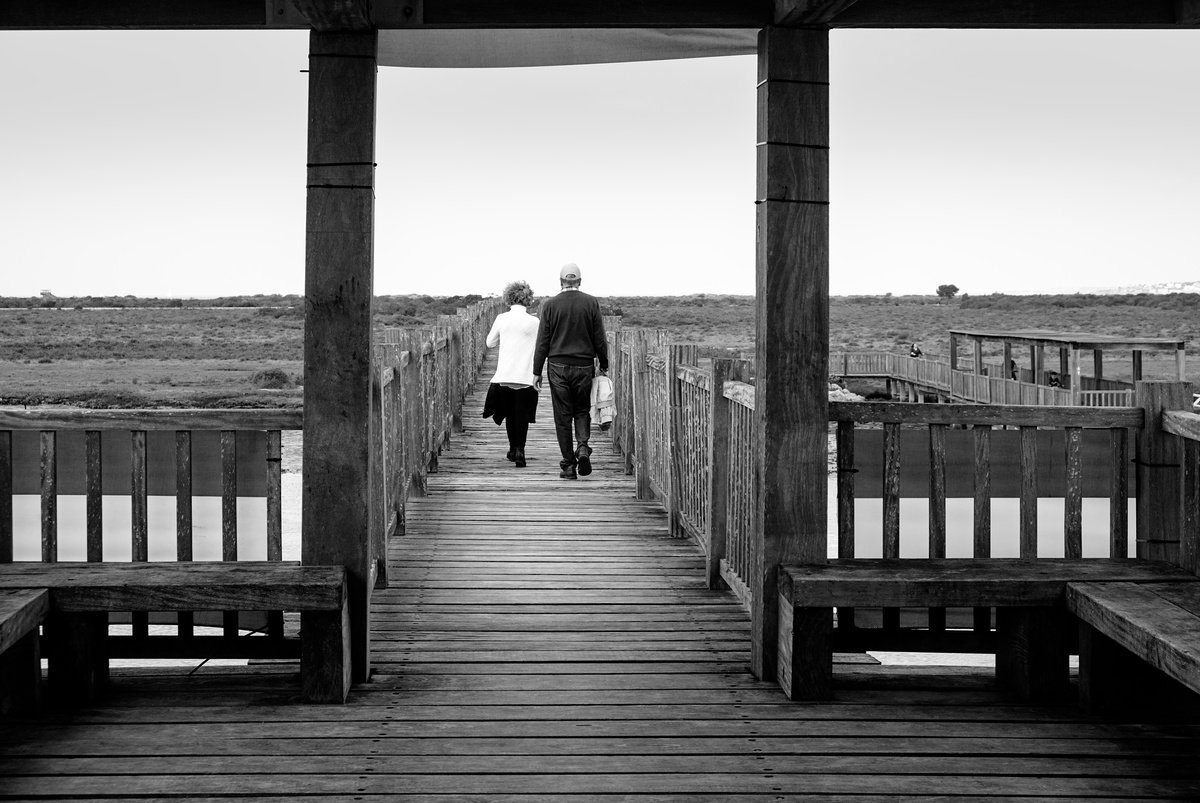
{"type": "Point", "coordinates": [544, 640]}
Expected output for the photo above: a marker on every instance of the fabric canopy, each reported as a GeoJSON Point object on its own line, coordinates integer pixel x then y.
{"type": "Point", "coordinates": [543, 47]}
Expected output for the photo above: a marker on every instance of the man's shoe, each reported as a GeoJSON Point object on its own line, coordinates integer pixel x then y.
{"type": "Point", "coordinates": [584, 455]}
{"type": "Point", "coordinates": [568, 473]}
{"type": "Point", "coordinates": [519, 458]}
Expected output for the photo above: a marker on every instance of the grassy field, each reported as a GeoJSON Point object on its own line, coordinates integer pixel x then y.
{"type": "Point", "coordinates": [197, 356]}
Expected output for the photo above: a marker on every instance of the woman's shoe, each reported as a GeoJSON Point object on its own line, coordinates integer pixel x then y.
{"type": "Point", "coordinates": [519, 458]}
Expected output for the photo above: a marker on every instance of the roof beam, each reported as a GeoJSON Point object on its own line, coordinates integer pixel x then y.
{"type": "Point", "coordinates": [809, 12]}
{"type": "Point", "coordinates": [1019, 14]}
{"type": "Point", "coordinates": [329, 16]}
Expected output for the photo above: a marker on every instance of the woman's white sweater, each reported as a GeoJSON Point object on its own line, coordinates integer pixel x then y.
{"type": "Point", "coordinates": [515, 332]}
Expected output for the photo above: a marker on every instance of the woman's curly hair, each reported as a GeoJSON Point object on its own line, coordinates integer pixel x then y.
{"type": "Point", "coordinates": [518, 293]}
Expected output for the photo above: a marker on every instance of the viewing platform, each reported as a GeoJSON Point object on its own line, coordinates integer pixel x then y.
{"type": "Point", "coordinates": [543, 639]}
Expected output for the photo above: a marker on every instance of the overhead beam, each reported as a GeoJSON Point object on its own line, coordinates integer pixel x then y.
{"type": "Point", "coordinates": [336, 15]}
{"type": "Point", "coordinates": [809, 12]}
{"type": "Point", "coordinates": [355, 14]}
{"type": "Point", "coordinates": [1018, 14]}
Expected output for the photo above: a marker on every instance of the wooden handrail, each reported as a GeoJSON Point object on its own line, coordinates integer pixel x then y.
{"type": "Point", "coordinates": [148, 420]}
{"type": "Point", "coordinates": [1182, 423]}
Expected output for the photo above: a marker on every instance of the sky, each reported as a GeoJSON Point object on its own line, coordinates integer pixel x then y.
{"type": "Point", "coordinates": [158, 163]}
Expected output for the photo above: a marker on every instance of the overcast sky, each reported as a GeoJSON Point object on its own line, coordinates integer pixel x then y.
{"type": "Point", "coordinates": [172, 164]}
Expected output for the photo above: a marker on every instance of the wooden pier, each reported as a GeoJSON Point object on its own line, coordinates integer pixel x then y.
{"type": "Point", "coordinates": [548, 640]}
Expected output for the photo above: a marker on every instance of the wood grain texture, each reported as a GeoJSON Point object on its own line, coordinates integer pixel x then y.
{"type": "Point", "coordinates": [995, 414]}
{"type": "Point", "coordinates": [1028, 534]}
{"type": "Point", "coordinates": [94, 481]}
{"type": "Point", "coordinates": [959, 582]}
{"type": "Point", "coordinates": [21, 611]}
{"type": "Point", "coordinates": [49, 486]}
{"type": "Point", "coordinates": [578, 695]}
{"type": "Point", "coordinates": [339, 281]}
{"type": "Point", "coordinates": [1158, 459]}
{"type": "Point", "coordinates": [982, 508]}
{"type": "Point", "coordinates": [792, 326]}
{"type": "Point", "coordinates": [1118, 505]}
{"type": "Point", "coordinates": [158, 419]}
{"type": "Point", "coordinates": [1073, 503]}
{"type": "Point", "coordinates": [1159, 631]}
{"type": "Point", "coordinates": [245, 585]}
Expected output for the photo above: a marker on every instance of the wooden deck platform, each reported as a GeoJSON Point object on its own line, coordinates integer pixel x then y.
{"type": "Point", "coordinates": [545, 640]}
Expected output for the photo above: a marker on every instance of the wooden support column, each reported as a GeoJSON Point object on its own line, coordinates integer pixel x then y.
{"type": "Point", "coordinates": [953, 353]}
{"type": "Point", "coordinates": [1137, 365]}
{"type": "Point", "coordinates": [1159, 460]}
{"type": "Point", "coordinates": [977, 353]}
{"type": "Point", "coordinates": [792, 329]}
{"type": "Point", "coordinates": [1098, 366]}
{"type": "Point", "coordinates": [339, 278]}
{"type": "Point", "coordinates": [1181, 365]}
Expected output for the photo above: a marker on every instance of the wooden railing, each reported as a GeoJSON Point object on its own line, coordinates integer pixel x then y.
{"type": "Point", "coordinates": [1024, 452]}
{"type": "Point", "coordinates": [992, 385]}
{"type": "Point", "coordinates": [184, 454]}
{"type": "Point", "coordinates": [423, 375]}
{"type": "Point", "coordinates": [228, 455]}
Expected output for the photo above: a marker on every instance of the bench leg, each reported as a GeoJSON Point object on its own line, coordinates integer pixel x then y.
{"type": "Point", "coordinates": [325, 655]}
{"type": "Point", "coordinates": [1112, 680]}
{"type": "Point", "coordinates": [21, 677]}
{"type": "Point", "coordinates": [77, 656]}
{"type": "Point", "coordinates": [1032, 653]}
{"type": "Point", "coordinates": [804, 664]}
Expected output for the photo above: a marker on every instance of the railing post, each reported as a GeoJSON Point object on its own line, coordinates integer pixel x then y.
{"type": "Point", "coordinates": [1158, 457]}
{"type": "Point", "coordinates": [641, 414]}
{"type": "Point", "coordinates": [717, 527]}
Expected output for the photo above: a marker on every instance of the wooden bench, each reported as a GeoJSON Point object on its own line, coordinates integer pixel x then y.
{"type": "Point", "coordinates": [1033, 626]}
{"type": "Point", "coordinates": [22, 612]}
{"type": "Point", "coordinates": [1157, 624]}
{"type": "Point", "coordinates": [81, 595]}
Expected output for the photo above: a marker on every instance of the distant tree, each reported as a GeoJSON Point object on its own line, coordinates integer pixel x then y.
{"type": "Point", "coordinates": [947, 291]}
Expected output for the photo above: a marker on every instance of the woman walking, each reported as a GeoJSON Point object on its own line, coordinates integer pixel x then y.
{"type": "Point", "coordinates": [512, 397]}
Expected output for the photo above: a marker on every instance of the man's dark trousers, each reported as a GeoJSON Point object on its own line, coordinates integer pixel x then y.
{"type": "Point", "coordinates": [571, 398]}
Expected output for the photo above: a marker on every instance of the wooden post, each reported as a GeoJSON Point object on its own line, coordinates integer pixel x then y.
{"type": "Point", "coordinates": [977, 357]}
{"type": "Point", "coordinates": [638, 353]}
{"type": "Point", "coordinates": [953, 353]}
{"type": "Point", "coordinates": [792, 327]}
{"type": "Point", "coordinates": [1098, 366]}
{"type": "Point", "coordinates": [339, 280]}
{"type": "Point", "coordinates": [1158, 457]}
{"type": "Point", "coordinates": [1076, 377]}
{"type": "Point", "coordinates": [1181, 365]}
{"type": "Point", "coordinates": [1137, 365]}
{"type": "Point", "coordinates": [723, 370]}
{"type": "Point", "coordinates": [1033, 364]}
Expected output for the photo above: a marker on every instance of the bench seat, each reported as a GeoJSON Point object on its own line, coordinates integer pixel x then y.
{"type": "Point", "coordinates": [22, 612]}
{"type": "Point", "coordinates": [1157, 623]}
{"type": "Point", "coordinates": [81, 595]}
{"type": "Point", "coordinates": [1032, 623]}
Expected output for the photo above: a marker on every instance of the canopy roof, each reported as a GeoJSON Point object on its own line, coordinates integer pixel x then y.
{"type": "Point", "coordinates": [1075, 340]}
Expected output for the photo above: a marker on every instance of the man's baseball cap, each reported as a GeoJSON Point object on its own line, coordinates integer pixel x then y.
{"type": "Point", "coordinates": [569, 272]}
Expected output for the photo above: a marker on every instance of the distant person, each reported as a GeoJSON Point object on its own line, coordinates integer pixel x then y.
{"type": "Point", "coordinates": [571, 338]}
{"type": "Point", "coordinates": [1012, 369]}
{"type": "Point", "coordinates": [512, 396]}
{"type": "Point", "coordinates": [915, 350]}
{"type": "Point", "coordinates": [1052, 380]}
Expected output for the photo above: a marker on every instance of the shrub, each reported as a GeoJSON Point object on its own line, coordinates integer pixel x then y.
{"type": "Point", "coordinates": [271, 379]}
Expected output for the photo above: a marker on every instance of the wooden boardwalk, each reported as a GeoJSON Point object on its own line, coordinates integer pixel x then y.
{"type": "Point", "coordinates": [545, 640]}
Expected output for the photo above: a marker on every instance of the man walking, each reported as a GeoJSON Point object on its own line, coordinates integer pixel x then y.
{"type": "Point", "coordinates": [570, 338]}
